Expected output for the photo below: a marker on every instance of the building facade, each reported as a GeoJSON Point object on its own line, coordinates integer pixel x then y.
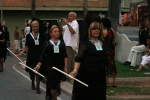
{"type": "Point", "coordinates": [16, 12]}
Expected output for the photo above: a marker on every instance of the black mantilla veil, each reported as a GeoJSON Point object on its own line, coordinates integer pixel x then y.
{"type": "Point", "coordinates": [89, 18]}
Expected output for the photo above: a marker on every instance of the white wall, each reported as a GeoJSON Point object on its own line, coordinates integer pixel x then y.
{"type": "Point", "coordinates": [123, 49]}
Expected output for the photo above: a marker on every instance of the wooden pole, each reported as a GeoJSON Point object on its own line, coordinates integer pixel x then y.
{"type": "Point", "coordinates": [15, 55]}
{"type": "Point", "coordinates": [70, 76]}
{"type": "Point", "coordinates": [32, 69]}
{"type": "Point", "coordinates": [22, 63]}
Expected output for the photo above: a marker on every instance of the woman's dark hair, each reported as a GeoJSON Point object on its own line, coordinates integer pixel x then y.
{"type": "Point", "coordinates": [142, 24]}
{"type": "Point", "coordinates": [5, 27]}
{"type": "Point", "coordinates": [28, 24]}
{"type": "Point", "coordinates": [22, 30]}
{"type": "Point", "coordinates": [1, 29]}
{"type": "Point", "coordinates": [149, 37]}
{"type": "Point", "coordinates": [16, 27]}
{"type": "Point", "coordinates": [47, 35]}
{"type": "Point", "coordinates": [106, 22]}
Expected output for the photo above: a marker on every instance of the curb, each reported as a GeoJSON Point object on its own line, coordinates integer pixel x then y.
{"type": "Point", "coordinates": [67, 87]}
{"type": "Point", "coordinates": [131, 96]}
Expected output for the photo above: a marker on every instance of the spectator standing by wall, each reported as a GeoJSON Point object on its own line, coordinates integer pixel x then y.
{"type": "Point", "coordinates": [2, 48]}
{"type": "Point", "coordinates": [22, 39]}
{"type": "Point", "coordinates": [6, 32]}
{"type": "Point", "coordinates": [16, 40]}
{"type": "Point", "coordinates": [27, 29]}
{"type": "Point", "coordinates": [111, 42]}
{"type": "Point", "coordinates": [46, 26]}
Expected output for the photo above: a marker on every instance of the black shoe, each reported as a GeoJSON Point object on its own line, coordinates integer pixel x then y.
{"type": "Point", "coordinates": [26, 69]}
{"type": "Point", "coordinates": [1, 69]}
{"type": "Point", "coordinates": [58, 90]}
{"type": "Point", "coordinates": [38, 90]}
{"type": "Point", "coordinates": [127, 63]}
{"type": "Point", "coordinates": [48, 98]}
{"type": "Point", "coordinates": [33, 87]}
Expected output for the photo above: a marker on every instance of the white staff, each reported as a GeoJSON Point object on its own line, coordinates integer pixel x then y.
{"type": "Point", "coordinates": [22, 63]}
{"type": "Point", "coordinates": [31, 69]}
{"type": "Point", "coordinates": [15, 55]}
{"type": "Point", "coordinates": [70, 76]}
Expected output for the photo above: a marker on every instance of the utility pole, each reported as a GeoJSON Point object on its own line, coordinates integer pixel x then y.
{"type": "Point", "coordinates": [1, 12]}
{"type": "Point", "coordinates": [83, 28]}
{"type": "Point", "coordinates": [84, 9]}
{"type": "Point", "coordinates": [113, 12]}
{"type": "Point", "coordinates": [33, 6]}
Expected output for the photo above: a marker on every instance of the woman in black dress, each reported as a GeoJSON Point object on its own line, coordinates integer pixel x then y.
{"type": "Point", "coordinates": [53, 54]}
{"type": "Point", "coordinates": [111, 41]}
{"type": "Point", "coordinates": [2, 48]}
{"type": "Point", "coordinates": [90, 66]}
{"type": "Point", "coordinates": [34, 46]}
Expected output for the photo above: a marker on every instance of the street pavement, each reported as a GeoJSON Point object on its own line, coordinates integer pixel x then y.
{"type": "Point", "coordinates": [15, 83]}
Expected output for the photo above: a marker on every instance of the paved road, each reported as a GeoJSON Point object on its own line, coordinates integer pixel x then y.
{"type": "Point", "coordinates": [15, 83]}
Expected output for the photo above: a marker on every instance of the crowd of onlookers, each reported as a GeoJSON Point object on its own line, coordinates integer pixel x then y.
{"type": "Point", "coordinates": [19, 37]}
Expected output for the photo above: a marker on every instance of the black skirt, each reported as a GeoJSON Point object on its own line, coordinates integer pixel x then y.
{"type": "Point", "coordinates": [95, 78]}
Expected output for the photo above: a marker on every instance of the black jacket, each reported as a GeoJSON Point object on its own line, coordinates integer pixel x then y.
{"type": "Point", "coordinates": [143, 36]}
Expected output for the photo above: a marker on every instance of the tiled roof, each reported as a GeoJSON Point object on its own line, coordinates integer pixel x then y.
{"type": "Point", "coordinates": [54, 3]}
